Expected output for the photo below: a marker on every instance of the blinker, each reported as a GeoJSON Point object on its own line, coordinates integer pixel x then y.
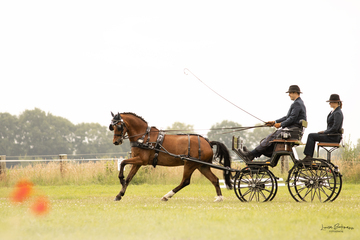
{"type": "Point", "coordinates": [119, 128]}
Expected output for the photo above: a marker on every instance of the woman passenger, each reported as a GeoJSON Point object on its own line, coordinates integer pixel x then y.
{"type": "Point", "coordinates": [333, 133]}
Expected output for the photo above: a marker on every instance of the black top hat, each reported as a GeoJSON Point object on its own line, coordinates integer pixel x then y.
{"type": "Point", "coordinates": [334, 98]}
{"type": "Point", "coordinates": [294, 88]}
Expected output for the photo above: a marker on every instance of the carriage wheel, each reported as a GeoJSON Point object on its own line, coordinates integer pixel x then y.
{"type": "Point", "coordinates": [311, 181]}
{"type": "Point", "coordinates": [275, 185]}
{"type": "Point", "coordinates": [291, 185]}
{"type": "Point", "coordinates": [338, 185]}
{"type": "Point", "coordinates": [256, 184]}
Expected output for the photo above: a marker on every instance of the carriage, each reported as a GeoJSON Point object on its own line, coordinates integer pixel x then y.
{"type": "Point", "coordinates": [312, 180]}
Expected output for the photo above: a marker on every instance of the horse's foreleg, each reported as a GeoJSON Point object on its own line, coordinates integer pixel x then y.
{"type": "Point", "coordinates": [136, 164]}
{"type": "Point", "coordinates": [206, 171]}
{"type": "Point", "coordinates": [188, 171]}
{"type": "Point", "coordinates": [125, 183]}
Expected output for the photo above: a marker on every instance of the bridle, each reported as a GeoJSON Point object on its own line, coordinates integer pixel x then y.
{"type": "Point", "coordinates": [120, 126]}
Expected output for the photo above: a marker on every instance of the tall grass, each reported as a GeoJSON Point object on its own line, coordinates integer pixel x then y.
{"type": "Point", "coordinates": [106, 172]}
{"type": "Point", "coordinates": [349, 169]}
{"type": "Point", "coordinates": [73, 173]}
{"type": "Point", "coordinates": [98, 172]}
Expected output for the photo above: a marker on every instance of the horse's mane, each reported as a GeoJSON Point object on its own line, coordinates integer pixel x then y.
{"type": "Point", "coordinates": [135, 116]}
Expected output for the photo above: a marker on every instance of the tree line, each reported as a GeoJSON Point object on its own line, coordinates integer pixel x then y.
{"type": "Point", "coordinates": [35, 132]}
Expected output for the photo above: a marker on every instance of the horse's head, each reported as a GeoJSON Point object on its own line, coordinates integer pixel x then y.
{"type": "Point", "coordinates": [118, 126]}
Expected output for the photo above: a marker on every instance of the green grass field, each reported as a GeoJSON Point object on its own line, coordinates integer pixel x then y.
{"type": "Point", "coordinates": [89, 212]}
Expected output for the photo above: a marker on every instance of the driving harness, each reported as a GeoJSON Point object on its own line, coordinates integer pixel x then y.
{"type": "Point", "coordinates": [157, 146]}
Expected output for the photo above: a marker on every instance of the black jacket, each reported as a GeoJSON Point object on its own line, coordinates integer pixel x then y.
{"type": "Point", "coordinates": [334, 122]}
{"type": "Point", "coordinates": [296, 113]}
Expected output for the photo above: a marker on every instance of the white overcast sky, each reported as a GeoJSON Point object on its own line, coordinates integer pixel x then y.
{"type": "Point", "coordinates": [82, 59]}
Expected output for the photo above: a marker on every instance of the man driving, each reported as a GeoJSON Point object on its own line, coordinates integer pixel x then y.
{"type": "Point", "coordinates": [292, 120]}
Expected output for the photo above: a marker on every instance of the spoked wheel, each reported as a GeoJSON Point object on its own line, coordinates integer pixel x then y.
{"type": "Point", "coordinates": [275, 186]}
{"type": "Point", "coordinates": [338, 185]}
{"type": "Point", "coordinates": [291, 184]}
{"type": "Point", "coordinates": [255, 184]}
{"type": "Point", "coordinates": [310, 181]}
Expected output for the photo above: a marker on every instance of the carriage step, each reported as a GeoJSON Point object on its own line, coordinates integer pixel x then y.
{"type": "Point", "coordinates": [279, 181]}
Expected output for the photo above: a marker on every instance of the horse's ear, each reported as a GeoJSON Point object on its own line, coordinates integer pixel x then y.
{"type": "Point", "coordinates": [112, 114]}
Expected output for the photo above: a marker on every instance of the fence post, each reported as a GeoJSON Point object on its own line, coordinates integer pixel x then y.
{"type": "Point", "coordinates": [2, 165]}
{"type": "Point", "coordinates": [61, 157]}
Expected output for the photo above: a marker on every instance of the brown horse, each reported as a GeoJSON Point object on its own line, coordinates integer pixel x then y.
{"type": "Point", "coordinates": [148, 144]}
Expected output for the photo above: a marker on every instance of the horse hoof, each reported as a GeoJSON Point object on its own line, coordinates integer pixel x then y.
{"type": "Point", "coordinates": [219, 199]}
{"type": "Point", "coordinates": [164, 199]}
{"type": "Point", "coordinates": [117, 199]}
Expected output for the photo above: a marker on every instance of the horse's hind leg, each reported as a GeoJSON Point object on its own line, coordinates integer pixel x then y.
{"type": "Point", "coordinates": [188, 171]}
{"type": "Point", "coordinates": [125, 183]}
{"type": "Point", "coordinates": [206, 171]}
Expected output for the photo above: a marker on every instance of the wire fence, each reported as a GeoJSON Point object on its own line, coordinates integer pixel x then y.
{"type": "Point", "coordinates": [69, 156]}
{"type": "Point", "coordinates": [60, 160]}
{"type": "Point", "coordinates": [14, 161]}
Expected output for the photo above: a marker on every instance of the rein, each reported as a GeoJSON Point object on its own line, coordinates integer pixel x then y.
{"type": "Point", "coordinates": [244, 128]}
{"type": "Point", "coordinates": [117, 119]}
{"type": "Point", "coordinates": [235, 129]}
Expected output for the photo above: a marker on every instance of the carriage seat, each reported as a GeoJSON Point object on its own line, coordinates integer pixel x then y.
{"type": "Point", "coordinates": [289, 138]}
{"type": "Point", "coordinates": [293, 135]}
{"type": "Point", "coordinates": [329, 147]}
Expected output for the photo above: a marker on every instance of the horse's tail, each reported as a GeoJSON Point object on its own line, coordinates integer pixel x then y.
{"type": "Point", "coordinates": [223, 154]}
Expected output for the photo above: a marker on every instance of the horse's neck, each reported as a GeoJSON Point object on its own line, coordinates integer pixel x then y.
{"type": "Point", "coordinates": [135, 125]}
